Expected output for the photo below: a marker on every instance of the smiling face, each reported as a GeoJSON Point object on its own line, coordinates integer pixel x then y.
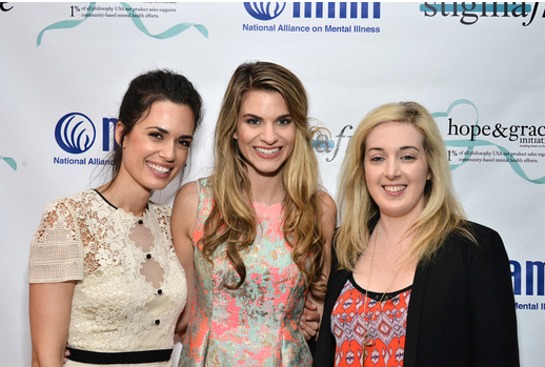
{"type": "Point", "coordinates": [156, 149]}
{"type": "Point", "coordinates": [396, 169]}
{"type": "Point", "coordinates": [265, 132]}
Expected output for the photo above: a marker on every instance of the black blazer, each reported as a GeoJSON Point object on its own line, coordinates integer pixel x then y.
{"type": "Point", "coordinates": [461, 311]}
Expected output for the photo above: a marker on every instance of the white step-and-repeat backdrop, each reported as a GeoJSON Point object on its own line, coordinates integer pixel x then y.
{"type": "Point", "coordinates": [478, 67]}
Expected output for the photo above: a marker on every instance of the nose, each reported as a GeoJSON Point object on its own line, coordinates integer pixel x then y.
{"type": "Point", "coordinates": [268, 133]}
{"type": "Point", "coordinates": [168, 151]}
{"type": "Point", "coordinates": [392, 170]}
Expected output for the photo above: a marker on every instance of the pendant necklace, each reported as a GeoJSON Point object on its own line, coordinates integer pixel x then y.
{"type": "Point", "coordinates": [367, 340]}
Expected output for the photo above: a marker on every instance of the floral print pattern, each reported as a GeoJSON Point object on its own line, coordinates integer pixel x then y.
{"type": "Point", "coordinates": [258, 323]}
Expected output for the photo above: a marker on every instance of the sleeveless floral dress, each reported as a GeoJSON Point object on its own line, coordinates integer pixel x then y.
{"type": "Point", "coordinates": [256, 324]}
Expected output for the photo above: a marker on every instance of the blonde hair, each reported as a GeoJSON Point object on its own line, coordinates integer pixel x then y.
{"type": "Point", "coordinates": [442, 213]}
{"type": "Point", "coordinates": [233, 220]}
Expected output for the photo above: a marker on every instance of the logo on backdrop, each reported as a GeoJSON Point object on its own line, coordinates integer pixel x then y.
{"type": "Point", "coordinates": [319, 17]}
{"type": "Point", "coordinates": [10, 162]}
{"type": "Point", "coordinates": [264, 11]}
{"type": "Point", "coordinates": [78, 14]}
{"type": "Point", "coordinates": [76, 134]}
{"type": "Point", "coordinates": [326, 144]}
{"type": "Point", "coordinates": [4, 7]}
{"type": "Point", "coordinates": [469, 140]}
{"type": "Point", "coordinates": [519, 145]}
{"type": "Point", "coordinates": [470, 13]}
{"type": "Point", "coordinates": [528, 280]}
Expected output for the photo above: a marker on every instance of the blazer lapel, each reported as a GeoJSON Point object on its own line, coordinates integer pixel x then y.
{"type": "Point", "coordinates": [414, 314]}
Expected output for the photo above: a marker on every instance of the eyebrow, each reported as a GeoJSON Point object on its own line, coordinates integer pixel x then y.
{"type": "Point", "coordinates": [405, 147]}
{"type": "Point", "coordinates": [164, 131]}
{"type": "Point", "coordinates": [261, 118]}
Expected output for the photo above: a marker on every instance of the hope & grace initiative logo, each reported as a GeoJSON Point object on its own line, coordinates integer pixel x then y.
{"type": "Point", "coordinates": [469, 140]}
{"type": "Point", "coordinates": [521, 145]}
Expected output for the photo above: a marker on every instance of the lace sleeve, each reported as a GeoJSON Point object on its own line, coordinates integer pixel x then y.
{"type": "Point", "coordinates": [56, 250]}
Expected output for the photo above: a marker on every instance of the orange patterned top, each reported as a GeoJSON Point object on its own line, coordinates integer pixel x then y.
{"type": "Point", "coordinates": [359, 319]}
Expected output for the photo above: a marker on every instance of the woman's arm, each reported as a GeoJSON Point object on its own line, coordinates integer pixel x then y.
{"type": "Point", "coordinates": [310, 321]}
{"type": "Point", "coordinates": [50, 305]}
{"type": "Point", "coordinates": [329, 223]}
{"type": "Point", "coordinates": [55, 265]}
{"type": "Point", "coordinates": [492, 302]}
{"type": "Point", "coordinates": [184, 216]}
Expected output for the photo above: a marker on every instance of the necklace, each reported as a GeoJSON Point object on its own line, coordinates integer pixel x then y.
{"type": "Point", "coordinates": [367, 341]}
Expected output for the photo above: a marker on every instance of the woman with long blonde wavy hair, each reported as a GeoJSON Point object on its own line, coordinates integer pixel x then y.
{"type": "Point", "coordinates": [255, 236]}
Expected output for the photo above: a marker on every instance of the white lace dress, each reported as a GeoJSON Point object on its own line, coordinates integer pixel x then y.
{"type": "Point", "coordinates": [130, 286]}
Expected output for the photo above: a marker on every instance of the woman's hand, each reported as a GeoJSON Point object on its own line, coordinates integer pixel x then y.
{"type": "Point", "coordinates": [310, 320]}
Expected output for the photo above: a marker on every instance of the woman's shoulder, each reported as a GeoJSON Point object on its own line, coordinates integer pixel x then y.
{"type": "Point", "coordinates": [70, 211]}
{"type": "Point", "coordinates": [79, 200]}
{"type": "Point", "coordinates": [479, 231]}
{"type": "Point", "coordinates": [198, 185]}
{"type": "Point", "coordinates": [192, 189]}
{"type": "Point", "coordinates": [190, 195]}
{"type": "Point", "coordinates": [327, 201]}
{"type": "Point", "coordinates": [477, 238]}
{"type": "Point", "coordinates": [201, 182]}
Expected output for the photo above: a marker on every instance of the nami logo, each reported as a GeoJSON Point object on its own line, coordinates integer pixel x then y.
{"type": "Point", "coordinates": [75, 133]}
{"type": "Point", "coordinates": [315, 10]}
{"type": "Point", "coordinates": [264, 11]}
{"type": "Point", "coordinates": [310, 17]}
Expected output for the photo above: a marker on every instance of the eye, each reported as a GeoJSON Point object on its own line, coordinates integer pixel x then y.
{"type": "Point", "coordinates": [284, 121]}
{"type": "Point", "coordinates": [252, 121]}
{"type": "Point", "coordinates": [376, 158]}
{"type": "Point", "coordinates": [156, 135]}
{"type": "Point", "coordinates": [184, 143]}
{"type": "Point", "coordinates": [407, 157]}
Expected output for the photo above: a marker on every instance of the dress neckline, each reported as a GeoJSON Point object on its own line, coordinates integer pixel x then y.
{"type": "Point", "coordinates": [377, 295]}
{"type": "Point", "coordinates": [121, 210]}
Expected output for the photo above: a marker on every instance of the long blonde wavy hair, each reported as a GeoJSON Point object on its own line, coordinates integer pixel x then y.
{"type": "Point", "coordinates": [233, 220]}
{"type": "Point", "coordinates": [442, 213]}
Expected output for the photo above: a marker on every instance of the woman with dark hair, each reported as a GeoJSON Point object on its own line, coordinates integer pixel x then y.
{"type": "Point", "coordinates": [104, 276]}
{"type": "Point", "coordinates": [254, 238]}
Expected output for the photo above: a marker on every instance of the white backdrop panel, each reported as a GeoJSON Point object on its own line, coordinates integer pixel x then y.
{"type": "Point", "coordinates": [55, 60]}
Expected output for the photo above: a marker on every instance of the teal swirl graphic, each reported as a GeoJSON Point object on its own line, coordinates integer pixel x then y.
{"type": "Point", "coordinates": [10, 161]}
{"type": "Point", "coordinates": [169, 33]}
{"type": "Point", "coordinates": [470, 145]}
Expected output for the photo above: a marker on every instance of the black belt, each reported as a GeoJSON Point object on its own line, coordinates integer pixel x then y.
{"type": "Point", "coordinates": [144, 356]}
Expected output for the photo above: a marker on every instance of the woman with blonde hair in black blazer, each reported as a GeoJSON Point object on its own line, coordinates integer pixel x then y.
{"type": "Point", "coordinates": [414, 283]}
